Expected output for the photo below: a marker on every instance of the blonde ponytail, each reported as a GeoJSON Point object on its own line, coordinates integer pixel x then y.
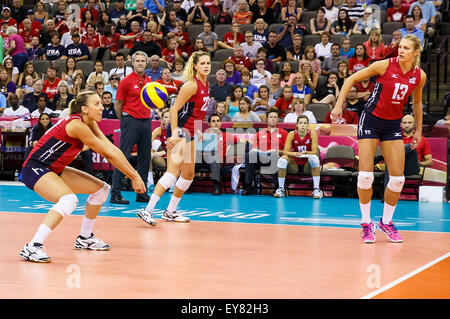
{"type": "Point", "coordinates": [79, 101]}
{"type": "Point", "coordinates": [189, 70]}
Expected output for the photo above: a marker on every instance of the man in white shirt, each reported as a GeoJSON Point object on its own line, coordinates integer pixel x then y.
{"type": "Point", "coordinates": [250, 47]}
{"type": "Point", "coordinates": [16, 110]}
{"type": "Point", "coordinates": [121, 70]}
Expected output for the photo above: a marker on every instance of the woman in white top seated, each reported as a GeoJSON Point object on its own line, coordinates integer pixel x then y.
{"type": "Point", "coordinates": [260, 76]}
{"type": "Point", "coordinates": [299, 108]}
{"type": "Point", "coordinates": [244, 114]}
{"type": "Point", "coordinates": [263, 103]}
{"type": "Point", "coordinates": [323, 49]}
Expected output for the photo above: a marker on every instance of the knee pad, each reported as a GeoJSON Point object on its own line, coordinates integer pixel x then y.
{"type": "Point", "coordinates": [156, 144]}
{"type": "Point", "coordinates": [282, 163]}
{"type": "Point", "coordinates": [313, 161]}
{"type": "Point", "coordinates": [66, 204]}
{"type": "Point", "coordinates": [183, 184]}
{"type": "Point", "coordinates": [365, 180]}
{"type": "Point", "coordinates": [395, 183]}
{"type": "Point", "coordinates": [100, 196]}
{"type": "Point", "coordinates": [167, 180]}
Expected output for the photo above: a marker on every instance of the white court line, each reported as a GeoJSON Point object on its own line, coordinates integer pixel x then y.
{"type": "Point", "coordinates": [407, 276]}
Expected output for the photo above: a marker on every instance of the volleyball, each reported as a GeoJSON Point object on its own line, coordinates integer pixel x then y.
{"type": "Point", "coordinates": [154, 95]}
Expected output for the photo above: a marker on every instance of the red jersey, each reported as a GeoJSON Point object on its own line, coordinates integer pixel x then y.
{"type": "Point", "coordinates": [348, 117]}
{"type": "Point", "coordinates": [111, 44]}
{"type": "Point", "coordinates": [56, 149]}
{"type": "Point", "coordinates": [397, 15]}
{"type": "Point", "coordinates": [195, 109]}
{"type": "Point", "coordinates": [129, 91]}
{"type": "Point", "coordinates": [170, 54]}
{"type": "Point", "coordinates": [301, 145]}
{"type": "Point", "coordinates": [422, 149]}
{"type": "Point", "coordinates": [91, 40]}
{"type": "Point", "coordinates": [28, 36]}
{"type": "Point", "coordinates": [35, 25]}
{"type": "Point", "coordinates": [274, 140]}
{"type": "Point", "coordinates": [243, 60]}
{"type": "Point", "coordinates": [93, 11]}
{"type": "Point", "coordinates": [229, 38]}
{"type": "Point", "coordinates": [184, 36]}
{"type": "Point", "coordinates": [392, 90]}
{"type": "Point", "coordinates": [171, 87]}
{"type": "Point", "coordinates": [11, 22]}
{"type": "Point", "coordinates": [225, 140]}
{"type": "Point", "coordinates": [51, 88]}
{"type": "Point", "coordinates": [283, 106]}
{"type": "Point", "coordinates": [355, 65]}
{"type": "Point", "coordinates": [129, 43]}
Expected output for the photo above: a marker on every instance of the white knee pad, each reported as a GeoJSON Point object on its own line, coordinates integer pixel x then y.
{"type": "Point", "coordinates": [282, 163]}
{"type": "Point", "coordinates": [313, 161]}
{"type": "Point", "coordinates": [395, 183]}
{"type": "Point", "coordinates": [167, 180]}
{"type": "Point", "coordinates": [365, 180]}
{"type": "Point", "coordinates": [183, 184]}
{"type": "Point", "coordinates": [66, 204]}
{"type": "Point", "coordinates": [100, 196]}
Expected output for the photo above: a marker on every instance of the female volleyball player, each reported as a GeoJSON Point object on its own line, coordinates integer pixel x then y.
{"type": "Point", "coordinates": [46, 172]}
{"type": "Point", "coordinates": [186, 115]}
{"type": "Point", "coordinates": [397, 78]}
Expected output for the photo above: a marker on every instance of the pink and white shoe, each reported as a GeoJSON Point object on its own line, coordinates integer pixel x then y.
{"type": "Point", "coordinates": [368, 233]}
{"type": "Point", "coordinates": [390, 231]}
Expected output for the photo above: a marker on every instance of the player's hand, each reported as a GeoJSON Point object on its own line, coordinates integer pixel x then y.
{"type": "Point", "coordinates": [138, 185]}
{"type": "Point", "coordinates": [200, 135]}
{"type": "Point", "coordinates": [417, 137]}
{"type": "Point", "coordinates": [172, 141]}
{"type": "Point", "coordinates": [336, 114]}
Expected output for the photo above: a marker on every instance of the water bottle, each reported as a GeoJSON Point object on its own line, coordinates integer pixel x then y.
{"type": "Point", "coordinates": [16, 175]}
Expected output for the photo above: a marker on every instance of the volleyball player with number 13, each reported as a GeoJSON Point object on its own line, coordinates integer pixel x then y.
{"type": "Point", "coordinates": [396, 79]}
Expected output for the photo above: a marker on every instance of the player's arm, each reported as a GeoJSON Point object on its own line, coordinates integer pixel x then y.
{"type": "Point", "coordinates": [417, 109]}
{"type": "Point", "coordinates": [314, 143]}
{"type": "Point", "coordinates": [118, 108]}
{"type": "Point", "coordinates": [288, 145]}
{"type": "Point", "coordinates": [375, 69]}
{"type": "Point", "coordinates": [101, 145]}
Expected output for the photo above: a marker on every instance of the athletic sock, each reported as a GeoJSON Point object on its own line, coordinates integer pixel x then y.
{"type": "Point", "coordinates": [41, 234]}
{"type": "Point", "coordinates": [86, 227]}
{"type": "Point", "coordinates": [388, 212]}
{"type": "Point", "coordinates": [152, 202]}
{"type": "Point", "coordinates": [365, 212]}
{"type": "Point", "coordinates": [281, 181]}
{"type": "Point", "coordinates": [316, 181]}
{"type": "Point", "coordinates": [150, 180]}
{"type": "Point", "coordinates": [173, 204]}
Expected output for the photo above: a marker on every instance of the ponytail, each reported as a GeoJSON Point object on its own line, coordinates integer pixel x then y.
{"type": "Point", "coordinates": [79, 101]}
{"type": "Point", "coordinates": [189, 70]}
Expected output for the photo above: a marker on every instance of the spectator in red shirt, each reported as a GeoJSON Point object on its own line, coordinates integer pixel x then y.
{"type": "Point", "coordinates": [392, 48]}
{"type": "Point", "coordinates": [6, 17]}
{"type": "Point", "coordinates": [397, 13]}
{"type": "Point", "coordinates": [35, 24]}
{"type": "Point", "coordinates": [232, 38]}
{"type": "Point", "coordinates": [365, 88]}
{"type": "Point", "coordinates": [239, 59]}
{"type": "Point", "coordinates": [28, 33]}
{"type": "Point", "coordinates": [182, 38]}
{"type": "Point", "coordinates": [91, 38]}
{"type": "Point", "coordinates": [135, 29]}
{"type": "Point", "coordinates": [360, 59]}
{"type": "Point", "coordinates": [283, 103]}
{"type": "Point", "coordinates": [51, 83]}
{"type": "Point", "coordinates": [172, 86]}
{"type": "Point", "coordinates": [348, 117]}
{"type": "Point", "coordinates": [171, 52]}
{"type": "Point", "coordinates": [91, 7]}
{"type": "Point", "coordinates": [267, 147]}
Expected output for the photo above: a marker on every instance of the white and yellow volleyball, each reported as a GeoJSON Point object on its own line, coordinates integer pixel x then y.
{"type": "Point", "coordinates": [154, 95]}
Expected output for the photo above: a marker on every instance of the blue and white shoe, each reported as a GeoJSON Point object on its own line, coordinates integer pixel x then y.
{"type": "Point", "coordinates": [35, 253]}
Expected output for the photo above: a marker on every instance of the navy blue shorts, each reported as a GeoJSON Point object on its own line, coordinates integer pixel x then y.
{"type": "Point", "coordinates": [370, 126]}
{"type": "Point", "coordinates": [32, 172]}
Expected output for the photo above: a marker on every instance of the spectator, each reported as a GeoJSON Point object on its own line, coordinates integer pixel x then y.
{"type": "Point", "coordinates": [109, 111]}
{"type": "Point", "coordinates": [78, 51]}
{"type": "Point", "coordinates": [140, 14]}
{"type": "Point", "coordinates": [276, 6]}
{"type": "Point", "coordinates": [118, 9]}
{"type": "Point", "coordinates": [295, 52]}
{"type": "Point", "coordinates": [43, 125]}
{"type": "Point", "coordinates": [311, 56]}
{"type": "Point", "coordinates": [366, 23]}
{"type": "Point", "coordinates": [104, 20]}
{"type": "Point", "coordinates": [287, 76]}
{"type": "Point", "coordinates": [114, 80]}
{"type": "Point", "coordinates": [392, 48]}
{"type": "Point", "coordinates": [23, 89]}
{"type": "Point", "coordinates": [172, 86]}
{"type": "Point", "coordinates": [312, 78]}
{"type": "Point", "coordinates": [300, 89]}
{"type": "Point", "coordinates": [365, 88]}
{"type": "Point", "coordinates": [150, 47]}
{"type": "Point", "coordinates": [221, 111]}
{"type": "Point", "coordinates": [291, 9]}
{"type": "Point", "coordinates": [347, 117]}
{"type": "Point", "coordinates": [260, 76]}
{"type": "Point", "coordinates": [249, 89]}
{"type": "Point", "coordinates": [274, 86]}
{"type": "Point", "coordinates": [233, 76]}
{"type": "Point", "coordinates": [69, 73]}
{"type": "Point", "coordinates": [342, 72]}
{"type": "Point", "coordinates": [260, 33]}
{"type": "Point", "coordinates": [90, 7]}
{"type": "Point", "coordinates": [411, 29]}
{"type": "Point", "coordinates": [220, 90]}
{"type": "Point", "coordinates": [47, 32]}
{"type": "Point", "coordinates": [58, 15]}
{"type": "Point", "coordinates": [178, 69]}
{"type": "Point", "coordinates": [286, 33]}
{"type": "Point", "coordinates": [263, 102]}
{"type": "Point", "coordinates": [331, 12]}
{"type": "Point", "coordinates": [35, 51]}
{"type": "Point", "coordinates": [198, 14]}
{"type": "Point", "coordinates": [41, 15]}
{"type": "Point", "coordinates": [298, 109]}
{"type": "Point", "coordinates": [7, 87]}
{"type": "Point", "coordinates": [99, 88]}
{"type": "Point", "coordinates": [375, 47]}
{"type": "Point", "coordinates": [419, 21]}
{"type": "Point", "coordinates": [275, 51]}
{"type": "Point", "coordinates": [330, 64]}
{"type": "Point", "coordinates": [67, 23]}
{"type": "Point", "coordinates": [6, 17]}
{"type": "Point", "coordinates": [28, 33]}
{"type": "Point", "coordinates": [17, 48]}
{"type": "Point", "coordinates": [245, 114]}
{"type": "Point", "coordinates": [86, 18]}
{"type": "Point", "coordinates": [182, 37]}
{"type": "Point", "coordinates": [122, 26]}
{"type": "Point", "coordinates": [262, 54]}
{"type": "Point", "coordinates": [360, 59]}
{"type": "Point", "coordinates": [232, 38]}
{"type": "Point", "coordinates": [397, 13]}
{"type": "Point", "coordinates": [343, 25]}
{"type": "Point", "coordinates": [62, 98]}
{"type": "Point", "coordinates": [98, 75]}
{"type": "Point", "coordinates": [327, 94]}
{"type": "Point", "coordinates": [230, 6]}
{"type": "Point", "coordinates": [240, 60]}
{"type": "Point", "coordinates": [267, 146]}
{"type": "Point", "coordinates": [66, 38]}
{"type": "Point", "coordinates": [171, 52]}
{"type": "Point", "coordinates": [179, 11]}
{"type": "Point", "coordinates": [262, 11]}
{"type": "Point", "coordinates": [428, 11]}
{"type": "Point", "coordinates": [51, 83]}
{"type": "Point", "coordinates": [154, 71]}
{"type": "Point", "coordinates": [232, 102]}
{"type": "Point", "coordinates": [155, 6]}
{"type": "Point", "coordinates": [135, 30]}
{"type": "Point", "coordinates": [353, 103]}
{"type": "Point", "coordinates": [320, 24]}
{"type": "Point", "coordinates": [250, 46]}
{"type": "Point", "coordinates": [55, 50]}
{"type": "Point", "coordinates": [168, 23]}
{"type": "Point", "coordinates": [346, 49]}
{"type": "Point", "coordinates": [41, 108]}
{"type": "Point", "coordinates": [198, 46]}
{"type": "Point", "coordinates": [13, 72]}
{"type": "Point", "coordinates": [30, 99]}
{"type": "Point", "coordinates": [15, 110]}
{"type": "Point", "coordinates": [283, 103]}
{"type": "Point", "coordinates": [157, 36]}
{"type": "Point", "coordinates": [79, 85]}
{"type": "Point", "coordinates": [223, 17]}
{"type": "Point", "coordinates": [209, 38]}
{"type": "Point", "coordinates": [28, 70]}
{"type": "Point", "coordinates": [355, 11]}
{"type": "Point", "coordinates": [243, 15]}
